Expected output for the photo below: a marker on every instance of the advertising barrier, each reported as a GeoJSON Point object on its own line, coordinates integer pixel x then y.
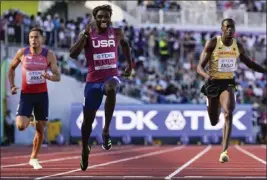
{"type": "Point", "coordinates": [162, 121]}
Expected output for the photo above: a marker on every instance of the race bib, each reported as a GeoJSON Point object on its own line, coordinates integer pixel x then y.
{"type": "Point", "coordinates": [107, 66]}
{"type": "Point", "coordinates": [104, 56]}
{"type": "Point", "coordinates": [34, 77]}
{"type": "Point", "coordinates": [226, 64]}
{"type": "Point", "coordinates": [104, 61]}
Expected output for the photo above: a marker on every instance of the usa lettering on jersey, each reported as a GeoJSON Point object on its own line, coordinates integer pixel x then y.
{"type": "Point", "coordinates": [103, 43]}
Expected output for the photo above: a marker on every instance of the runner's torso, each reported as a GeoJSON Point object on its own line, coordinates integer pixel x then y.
{"type": "Point", "coordinates": [101, 55]}
{"type": "Point", "coordinates": [223, 62]}
{"type": "Point", "coordinates": [32, 68]}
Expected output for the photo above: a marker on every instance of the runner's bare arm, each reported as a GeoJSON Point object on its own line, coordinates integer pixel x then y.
{"type": "Point", "coordinates": [12, 67]}
{"type": "Point", "coordinates": [76, 49]}
{"type": "Point", "coordinates": [53, 66]}
{"type": "Point", "coordinates": [125, 49]}
{"type": "Point", "coordinates": [205, 57]}
{"type": "Point", "coordinates": [247, 61]}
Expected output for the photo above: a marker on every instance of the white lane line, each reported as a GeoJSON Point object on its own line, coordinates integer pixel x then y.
{"type": "Point", "coordinates": [145, 177]}
{"type": "Point", "coordinates": [111, 177]}
{"type": "Point", "coordinates": [63, 167]}
{"type": "Point", "coordinates": [41, 155]}
{"type": "Point", "coordinates": [250, 154]}
{"type": "Point", "coordinates": [189, 162]}
{"type": "Point", "coordinates": [76, 157]}
{"type": "Point", "coordinates": [223, 168]}
{"type": "Point", "coordinates": [116, 161]}
{"type": "Point", "coordinates": [221, 177]}
{"type": "Point", "coordinates": [70, 151]}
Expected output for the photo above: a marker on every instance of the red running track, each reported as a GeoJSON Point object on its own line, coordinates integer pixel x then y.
{"type": "Point", "coordinates": [137, 162]}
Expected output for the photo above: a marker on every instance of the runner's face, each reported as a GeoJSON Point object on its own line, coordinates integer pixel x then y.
{"type": "Point", "coordinates": [103, 19]}
{"type": "Point", "coordinates": [228, 29]}
{"type": "Point", "coordinates": [35, 39]}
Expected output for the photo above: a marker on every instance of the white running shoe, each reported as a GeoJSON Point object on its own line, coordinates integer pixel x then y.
{"type": "Point", "coordinates": [35, 164]}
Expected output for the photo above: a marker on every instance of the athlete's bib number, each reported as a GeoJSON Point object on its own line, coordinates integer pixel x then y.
{"type": "Point", "coordinates": [104, 61]}
{"type": "Point", "coordinates": [34, 77]}
{"type": "Point", "coordinates": [227, 65]}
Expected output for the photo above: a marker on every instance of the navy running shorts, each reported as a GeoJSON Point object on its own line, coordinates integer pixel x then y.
{"type": "Point", "coordinates": [94, 92]}
{"type": "Point", "coordinates": [30, 102]}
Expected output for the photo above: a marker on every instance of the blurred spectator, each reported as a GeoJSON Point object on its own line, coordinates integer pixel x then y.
{"type": "Point", "coordinates": [48, 28]}
{"type": "Point", "coordinates": [160, 4]}
{"type": "Point", "coordinates": [248, 5]}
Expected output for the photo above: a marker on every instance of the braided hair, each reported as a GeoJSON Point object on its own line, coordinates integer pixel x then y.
{"type": "Point", "coordinates": [104, 8]}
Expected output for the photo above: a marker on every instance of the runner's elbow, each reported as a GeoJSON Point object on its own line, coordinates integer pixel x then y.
{"type": "Point", "coordinates": [198, 68]}
{"type": "Point", "coordinates": [11, 67]}
{"type": "Point", "coordinates": [73, 55]}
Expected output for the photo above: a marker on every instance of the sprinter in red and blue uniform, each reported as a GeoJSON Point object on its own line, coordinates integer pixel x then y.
{"type": "Point", "coordinates": [35, 61]}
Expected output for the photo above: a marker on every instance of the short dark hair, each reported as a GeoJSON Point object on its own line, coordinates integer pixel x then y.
{"type": "Point", "coordinates": [104, 8]}
{"type": "Point", "coordinates": [228, 19]}
{"type": "Point", "coordinates": [37, 29]}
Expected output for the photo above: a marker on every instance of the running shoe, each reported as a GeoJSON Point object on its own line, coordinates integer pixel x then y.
{"type": "Point", "coordinates": [35, 164]}
{"type": "Point", "coordinates": [107, 144]}
{"type": "Point", "coordinates": [224, 157]}
{"type": "Point", "coordinates": [84, 158]}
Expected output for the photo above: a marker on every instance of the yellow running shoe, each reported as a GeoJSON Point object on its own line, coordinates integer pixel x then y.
{"type": "Point", "coordinates": [224, 157]}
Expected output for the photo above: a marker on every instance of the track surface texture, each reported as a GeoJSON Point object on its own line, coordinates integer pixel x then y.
{"type": "Point", "coordinates": [137, 162]}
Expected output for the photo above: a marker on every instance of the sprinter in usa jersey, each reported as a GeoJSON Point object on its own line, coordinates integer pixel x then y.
{"type": "Point", "coordinates": [35, 61]}
{"type": "Point", "coordinates": [100, 43]}
{"type": "Point", "coordinates": [221, 54]}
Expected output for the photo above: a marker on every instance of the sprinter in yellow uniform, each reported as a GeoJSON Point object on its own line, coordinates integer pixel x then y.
{"type": "Point", "coordinates": [221, 53]}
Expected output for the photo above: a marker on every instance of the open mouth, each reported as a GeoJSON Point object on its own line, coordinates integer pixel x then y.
{"type": "Point", "coordinates": [104, 25]}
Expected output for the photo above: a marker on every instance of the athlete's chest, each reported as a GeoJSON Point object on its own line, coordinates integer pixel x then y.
{"type": "Point", "coordinates": [31, 62]}
{"type": "Point", "coordinates": [99, 44]}
{"type": "Point", "coordinates": [225, 58]}
{"type": "Point", "coordinates": [103, 42]}
{"type": "Point", "coordinates": [223, 51]}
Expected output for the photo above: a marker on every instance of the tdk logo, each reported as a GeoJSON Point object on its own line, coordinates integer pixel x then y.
{"type": "Point", "coordinates": [103, 43]}
{"type": "Point", "coordinates": [175, 120]}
